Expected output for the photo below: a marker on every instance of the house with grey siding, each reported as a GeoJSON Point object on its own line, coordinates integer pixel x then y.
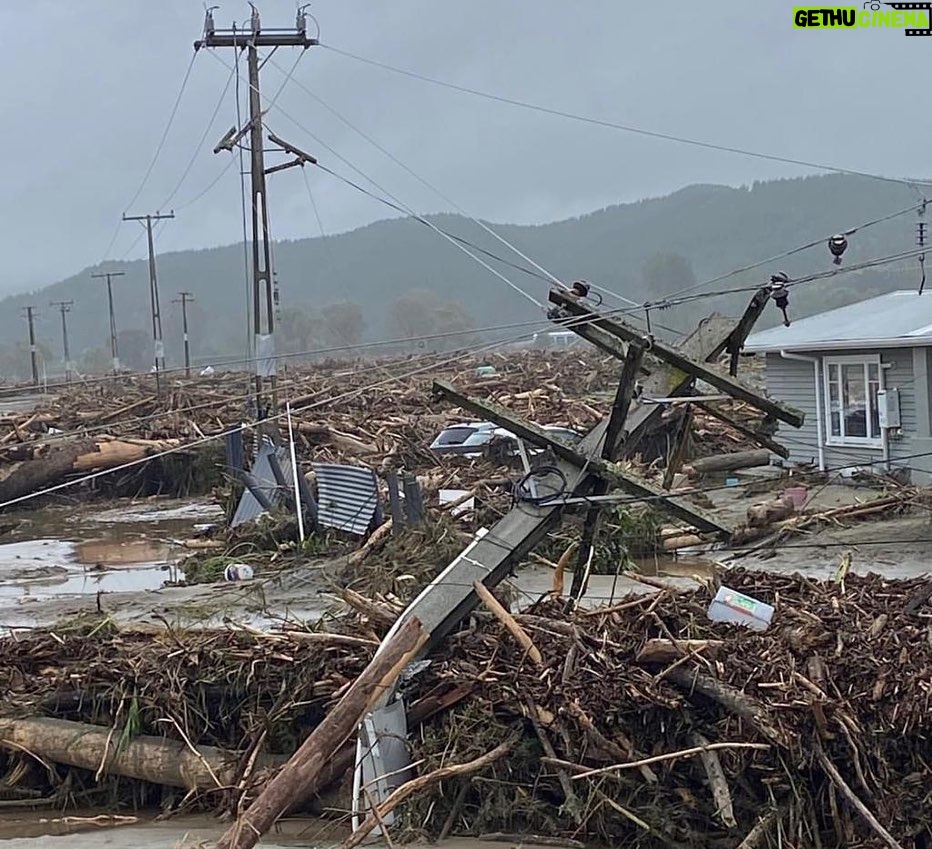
{"type": "Point", "coordinates": [862, 374]}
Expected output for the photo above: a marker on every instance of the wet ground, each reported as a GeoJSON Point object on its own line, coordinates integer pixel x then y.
{"type": "Point", "coordinates": [87, 830]}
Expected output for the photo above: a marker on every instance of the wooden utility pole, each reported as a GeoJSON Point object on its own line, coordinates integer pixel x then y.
{"type": "Point", "coordinates": [263, 301]}
{"type": "Point", "coordinates": [159, 353]}
{"type": "Point", "coordinates": [30, 317]}
{"type": "Point", "coordinates": [183, 300]}
{"type": "Point", "coordinates": [114, 353]}
{"type": "Point", "coordinates": [64, 307]}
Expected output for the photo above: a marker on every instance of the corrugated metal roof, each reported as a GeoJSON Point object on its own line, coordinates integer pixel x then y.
{"type": "Point", "coordinates": [897, 319]}
{"type": "Point", "coordinates": [347, 497]}
{"type": "Point", "coordinates": [249, 507]}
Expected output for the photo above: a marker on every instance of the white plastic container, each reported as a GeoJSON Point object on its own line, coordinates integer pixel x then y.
{"type": "Point", "coordinates": [238, 572]}
{"type": "Point", "coordinates": [731, 606]}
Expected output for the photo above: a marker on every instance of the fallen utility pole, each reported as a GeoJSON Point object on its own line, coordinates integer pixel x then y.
{"type": "Point", "coordinates": [263, 308]}
{"type": "Point", "coordinates": [114, 353]}
{"type": "Point", "coordinates": [30, 317]}
{"type": "Point", "coordinates": [64, 308]}
{"type": "Point", "coordinates": [583, 463]}
{"type": "Point", "coordinates": [158, 345]}
{"type": "Point", "coordinates": [722, 380]}
{"type": "Point", "coordinates": [493, 553]}
{"type": "Point", "coordinates": [183, 300]}
{"type": "Point", "coordinates": [299, 776]}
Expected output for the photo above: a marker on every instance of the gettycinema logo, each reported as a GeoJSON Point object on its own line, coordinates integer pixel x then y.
{"type": "Point", "coordinates": [912, 18]}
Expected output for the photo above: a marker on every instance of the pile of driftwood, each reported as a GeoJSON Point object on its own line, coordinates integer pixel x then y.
{"type": "Point", "coordinates": [647, 724]}
{"type": "Point", "coordinates": [376, 413]}
{"type": "Point", "coordinates": [641, 724]}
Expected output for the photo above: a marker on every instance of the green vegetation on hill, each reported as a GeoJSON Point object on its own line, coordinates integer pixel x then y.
{"type": "Point", "coordinates": [397, 279]}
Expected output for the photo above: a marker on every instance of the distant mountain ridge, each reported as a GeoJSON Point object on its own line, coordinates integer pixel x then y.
{"type": "Point", "coordinates": [634, 249]}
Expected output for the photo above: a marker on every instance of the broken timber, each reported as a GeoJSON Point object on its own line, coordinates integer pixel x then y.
{"type": "Point", "coordinates": [703, 371]}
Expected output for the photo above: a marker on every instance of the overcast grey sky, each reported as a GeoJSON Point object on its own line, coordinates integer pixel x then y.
{"type": "Point", "coordinates": [91, 84]}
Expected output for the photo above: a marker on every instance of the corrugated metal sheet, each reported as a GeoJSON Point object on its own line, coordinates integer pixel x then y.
{"type": "Point", "coordinates": [347, 497]}
{"type": "Point", "coordinates": [894, 319]}
{"type": "Point", "coordinates": [249, 508]}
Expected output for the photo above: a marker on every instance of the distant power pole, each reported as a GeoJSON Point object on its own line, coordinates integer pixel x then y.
{"type": "Point", "coordinates": [64, 308]}
{"type": "Point", "coordinates": [30, 317]}
{"type": "Point", "coordinates": [159, 354]}
{"type": "Point", "coordinates": [251, 41]}
{"type": "Point", "coordinates": [114, 353]}
{"type": "Point", "coordinates": [183, 300]}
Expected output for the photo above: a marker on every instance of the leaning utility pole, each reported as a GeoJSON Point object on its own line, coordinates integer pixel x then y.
{"type": "Point", "coordinates": [30, 316]}
{"type": "Point", "coordinates": [251, 41]}
{"type": "Point", "coordinates": [114, 354]}
{"type": "Point", "coordinates": [183, 300]}
{"type": "Point", "coordinates": [64, 308]}
{"type": "Point", "coordinates": [159, 355]}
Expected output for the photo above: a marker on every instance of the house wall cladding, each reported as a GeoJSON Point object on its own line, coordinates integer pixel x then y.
{"type": "Point", "coordinates": [907, 369]}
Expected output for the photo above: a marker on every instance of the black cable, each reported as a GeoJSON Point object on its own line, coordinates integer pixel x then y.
{"type": "Point", "coordinates": [522, 491]}
{"type": "Point", "coordinates": [623, 127]}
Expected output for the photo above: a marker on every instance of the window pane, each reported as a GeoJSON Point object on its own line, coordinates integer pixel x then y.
{"type": "Point", "coordinates": [854, 400]}
{"type": "Point", "coordinates": [834, 400]}
{"type": "Point", "coordinates": [873, 387]}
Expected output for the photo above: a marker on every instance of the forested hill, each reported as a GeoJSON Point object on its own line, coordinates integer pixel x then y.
{"type": "Point", "coordinates": [397, 278]}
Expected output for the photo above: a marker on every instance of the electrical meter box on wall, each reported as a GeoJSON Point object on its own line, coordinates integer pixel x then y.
{"type": "Point", "coordinates": [888, 408]}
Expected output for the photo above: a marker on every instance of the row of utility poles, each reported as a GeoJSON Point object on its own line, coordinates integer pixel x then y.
{"type": "Point", "coordinates": [264, 288]}
{"type": "Point", "coordinates": [64, 307]}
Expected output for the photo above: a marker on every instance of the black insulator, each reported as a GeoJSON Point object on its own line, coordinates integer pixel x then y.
{"type": "Point", "coordinates": [837, 245]}
{"type": "Point", "coordinates": [581, 289]}
{"type": "Point", "coordinates": [780, 295]}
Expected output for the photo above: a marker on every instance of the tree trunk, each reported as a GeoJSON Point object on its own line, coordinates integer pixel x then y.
{"type": "Point", "coordinates": [82, 456]}
{"type": "Point", "coordinates": [728, 462]}
{"type": "Point", "coordinates": [299, 777]}
{"type": "Point", "coordinates": [154, 759]}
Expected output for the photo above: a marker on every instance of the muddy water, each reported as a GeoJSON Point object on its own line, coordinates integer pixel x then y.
{"type": "Point", "coordinates": [73, 552]}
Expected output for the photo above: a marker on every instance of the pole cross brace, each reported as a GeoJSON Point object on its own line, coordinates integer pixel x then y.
{"type": "Point", "coordinates": [678, 360]}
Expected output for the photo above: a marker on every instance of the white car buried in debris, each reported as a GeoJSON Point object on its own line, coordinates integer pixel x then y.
{"type": "Point", "coordinates": [470, 439]}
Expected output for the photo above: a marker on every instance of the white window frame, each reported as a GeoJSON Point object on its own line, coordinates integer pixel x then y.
{"type": "Point", "coordinates": [863, 360]}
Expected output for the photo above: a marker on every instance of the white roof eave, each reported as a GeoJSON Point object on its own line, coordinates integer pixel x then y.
{"type": "Point", "coordinates": [841, 345]}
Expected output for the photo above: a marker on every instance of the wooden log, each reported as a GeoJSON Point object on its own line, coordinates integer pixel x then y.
{"type": "Point", "coordinates": [749, 709]}
{"type": "Point", "coordinates": [78, 457]}
{"type": "Point", "coordinates": [724, 807]}
{"type": "Point", "coordinates": [675, 543]}
{"type": "Point", "coordinates": [727, 462]}
{"type": "Point", "coordinates": [299, 776]}
{"type": "Point", "coordinates": [513, 628]}
{"type": "Point", "coordinates": [767, 512]}
{"type": "Point", "coordinates": [664, 651]}
{"type": "Point", "coordinates": [161, 761]}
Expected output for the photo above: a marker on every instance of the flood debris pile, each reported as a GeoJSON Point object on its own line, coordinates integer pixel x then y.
{"type": "Point", "coordinates": [641, 724]}
{"type": "Point", "coordinates": [648, 725]}
{"type": "Point", "coordinates": [96, 716]}
{"type": "Point", "coordinates": [339, 417]}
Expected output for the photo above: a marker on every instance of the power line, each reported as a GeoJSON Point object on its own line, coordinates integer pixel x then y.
{"type": "Point", "coordinates": [807, 246]}
{"type": "Point", "coordinates": [407, 209]}
{"type": "Point", "coordinates": [551, 277]}
{"type": "Point", "coordinates": [199, 146]}
{"type": "Point", "coordinates": [628, 128]}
